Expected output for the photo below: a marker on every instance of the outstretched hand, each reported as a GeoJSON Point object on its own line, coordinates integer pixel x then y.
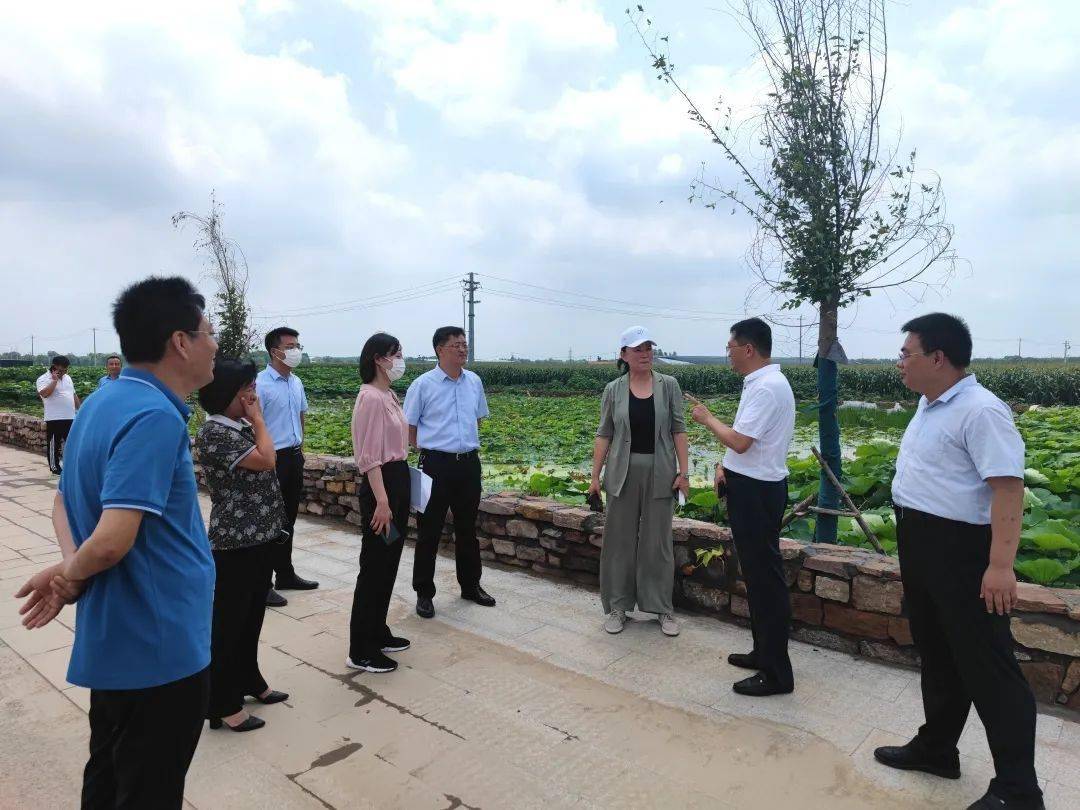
{"type": "Point", "coordinates": [700, 413]}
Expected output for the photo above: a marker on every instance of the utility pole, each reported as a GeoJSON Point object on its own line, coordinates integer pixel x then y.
{"type": "Point", "coordinates": [1019, 343]}
{"type": "Point", "coordinates": [800, 340]}
{"type": "Point", "coordinates": [471, 285]}
{"type": "Point", "coordinates": [93, 357]}
{"type": "Point", "coordinates": [31, 348]}
{"type": "Point", "coordinates": [1067, 347]}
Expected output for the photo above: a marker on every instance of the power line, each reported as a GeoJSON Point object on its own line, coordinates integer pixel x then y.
{"type": "Point", "coordinates": [360, 303]}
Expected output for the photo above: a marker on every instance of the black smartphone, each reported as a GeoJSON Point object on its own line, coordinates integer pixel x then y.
{"type": "Point", "coordinates": [391, 535]}
{"type": "Point", "coordinates": [721, 489]}
{"type": "Point", "coordinates": [595, 502]}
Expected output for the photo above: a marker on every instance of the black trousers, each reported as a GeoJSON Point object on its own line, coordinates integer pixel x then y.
{"type": "Point", "coordinates": [455, 486]}
{"type": "Point", "coordinates": [755, 512]}
{"type": "Point", "coordinates": [243, 577]}
{"type": "Point", "coordinates": [290, 474]}
{"type": "Point", "coordinates": [56, 433]}
{"type": "Point", "coordinates": [142, 742]}
{"type": "Point", "coordinates": [378, 563]}
{"type": "Point", "coordinates": [967, 653]}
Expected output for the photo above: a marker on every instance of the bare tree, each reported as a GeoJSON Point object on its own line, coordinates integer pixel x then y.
{"type": "Point", "coordinates": [838, 214]}
{"type": "Point", "coordinates": [228, 267]}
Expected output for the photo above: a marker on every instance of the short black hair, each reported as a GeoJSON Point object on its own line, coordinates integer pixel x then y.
{"type": "Point", "coordinates": [378, 345]}
{"type": "Point", "coordinates": [444, 333]}
{"type": "Point", "coordinates": [230, 375]}
{"type": "Point", "coordinates": [59, 360]}
{"type": "Point", "coordinates": [274, 336]}
{"type": "Point", "coordinates": [941, 332]}
{"type": "Point", "coordinates": [146, 314]}
{"type": "Point", "coordinates": [113, 357]}
{"type": "Point", "coordinates": [755, 332]}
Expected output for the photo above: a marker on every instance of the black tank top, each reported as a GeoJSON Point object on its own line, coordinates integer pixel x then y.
{"type": "Point", "coordinates": [642, 424]}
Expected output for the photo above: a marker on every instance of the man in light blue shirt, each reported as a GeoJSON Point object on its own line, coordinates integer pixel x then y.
{"type": "Point", "coordinates": [113, 366]}
{"type": "Point", "coordinates": [444, 407]}
{"type": "Point", "coordinates": [136, 555]}
{"type": "Point", "coordinates": [284, 403]}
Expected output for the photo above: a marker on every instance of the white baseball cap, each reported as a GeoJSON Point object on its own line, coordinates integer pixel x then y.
{"type": "Point", "coordinates": [635, 336]}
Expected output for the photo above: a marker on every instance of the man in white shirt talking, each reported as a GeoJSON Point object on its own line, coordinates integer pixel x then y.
{"type": "Point", "coordinates": [959, 499]}
{"type": "Point", "coordinates": [57, 393]}
{"type": "Point", "coordinates": [755, 472]}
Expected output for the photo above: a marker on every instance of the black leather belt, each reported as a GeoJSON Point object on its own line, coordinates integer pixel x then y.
{"type": "Point", "coordinates": [454, 456]}
{"type": "Point", "coordinates": [297, 449]}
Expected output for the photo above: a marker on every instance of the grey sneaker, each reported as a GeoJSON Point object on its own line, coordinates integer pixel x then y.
{"type": "Point", "coordinates": [615, 621]}
{"type": "Point", "coordinates": [668, 625]}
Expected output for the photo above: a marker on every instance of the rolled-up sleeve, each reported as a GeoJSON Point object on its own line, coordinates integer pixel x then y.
{"type": "Point", "coordinates": [607, 422]}
{"type": "Point", "coordinates": [369, 433]}
{"type": "Point", "coordinates": [678, 409]}
{"type": "Point", "coordinates": [994, 444]}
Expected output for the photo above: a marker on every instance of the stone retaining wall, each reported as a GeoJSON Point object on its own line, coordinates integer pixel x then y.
{"type": "Point", "coordinates": [842, 598]}
{"type": "Point", "coordinates": [23, 431]}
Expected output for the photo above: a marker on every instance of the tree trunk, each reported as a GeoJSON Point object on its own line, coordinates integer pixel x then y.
{"type": "Point", "coordinates": [828, 425]}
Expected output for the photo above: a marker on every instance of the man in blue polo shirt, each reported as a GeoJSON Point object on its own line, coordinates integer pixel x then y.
{"type": "Point", "coordinates": [113, 365]}
{"type": "Point", "coordinates": [134, 543]}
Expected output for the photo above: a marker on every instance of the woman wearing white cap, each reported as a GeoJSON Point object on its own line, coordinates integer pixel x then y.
{"type": "Point", "coordinates": [642, 439]}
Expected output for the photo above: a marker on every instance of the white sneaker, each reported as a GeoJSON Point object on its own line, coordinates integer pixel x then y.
{"type": "Point", "coordinates": [615, 621]}
{"type": "Point", "coordinates": [668, 625]}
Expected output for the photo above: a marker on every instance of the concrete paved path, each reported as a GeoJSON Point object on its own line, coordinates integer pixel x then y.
{"type": "Point", "coordinates": [525, 705]}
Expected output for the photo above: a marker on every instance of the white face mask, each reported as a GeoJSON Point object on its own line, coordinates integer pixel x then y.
{"type": "Point", "coordinates": [397, 370]}
{"type": "Point", "coordinates": [292, 357]}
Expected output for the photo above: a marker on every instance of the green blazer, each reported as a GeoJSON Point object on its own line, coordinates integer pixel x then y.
{"type": "Point", "coordinates": [615, 425]}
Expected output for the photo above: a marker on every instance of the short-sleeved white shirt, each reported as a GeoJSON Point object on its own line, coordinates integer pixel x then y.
{"type": "Point", "coordinates": [767, 415]}
{"type": "Point", "coordinates": [951, 447]}
{"type": "Point", "coordinates": [60, 404]}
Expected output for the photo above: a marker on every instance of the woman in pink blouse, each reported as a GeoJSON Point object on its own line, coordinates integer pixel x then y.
{"type": "Point", "coordinates": [380, 446]}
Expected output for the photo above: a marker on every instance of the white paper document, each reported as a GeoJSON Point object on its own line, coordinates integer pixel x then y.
{"type": "Point", "coordinates": [420, 489]}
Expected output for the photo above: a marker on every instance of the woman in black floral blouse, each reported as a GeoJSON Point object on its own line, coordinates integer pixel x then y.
{"type": "Point", "coordinates": [237, 456]}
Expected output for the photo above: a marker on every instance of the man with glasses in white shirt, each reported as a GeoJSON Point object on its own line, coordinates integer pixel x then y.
{"type": "Point", "coordinates": [755, 475]}
{"type": "Point", "coordinates": [959, 499]}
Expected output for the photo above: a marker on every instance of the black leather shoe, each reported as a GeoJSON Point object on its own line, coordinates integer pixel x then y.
{"type": "Point", "coordinates": [911, 757]}
{"type": "Point", "coordinates": [743, 660]}
{"type": "Point", "coordinates": [275, 599]}
{"type": "Point", "coordinates": [425, 608]}
{"type": "Point", "coordinates": [480, 596]}
{"type": "Point", "coordinates": [273, 697]}
{"type": "Point", "coordinates": [295, 583]}
{"type": "Point", "coordinates": [991, 801]}
{"type": "Point", "coordinates": [758, 686]}
{"type": "Point", "coordinates": [250, 724]}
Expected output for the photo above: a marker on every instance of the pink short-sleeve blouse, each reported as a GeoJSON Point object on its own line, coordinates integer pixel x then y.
{"type": "Point", "coordinates": [379, 431]}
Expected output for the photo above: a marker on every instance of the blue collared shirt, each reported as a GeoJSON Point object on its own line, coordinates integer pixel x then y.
{"type": "Point", "coordinates": [105, 381]}
{"type": "Point", "coordinates": [951, 446]}
{"type": "Point", "coordinates": [283, 400]}
{"type": "Point", "coordinates": [145, 621]}
{"type": "Point", "coordinates": [444, 410]}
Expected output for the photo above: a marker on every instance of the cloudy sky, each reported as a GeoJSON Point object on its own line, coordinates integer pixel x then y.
{"type": "Point", "coordinates": [373, 152]}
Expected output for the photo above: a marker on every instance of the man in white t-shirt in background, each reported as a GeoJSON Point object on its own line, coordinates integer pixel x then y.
{"type": "Point", "coordinates": [754, 473]}
{"type": "Point", "coordinates": [57, 392]}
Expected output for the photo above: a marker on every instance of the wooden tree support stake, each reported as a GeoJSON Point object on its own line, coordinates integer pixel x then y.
{"type": "Point", "coordinates": [850, 503]}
